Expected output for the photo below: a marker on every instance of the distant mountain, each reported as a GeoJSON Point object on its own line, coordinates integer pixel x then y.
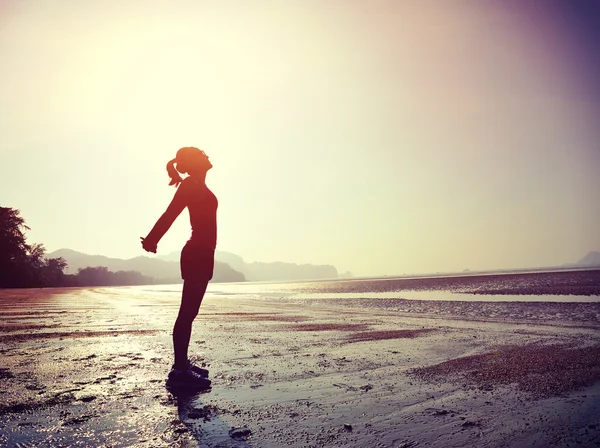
{"type": "Point", "coordinates": [164, 270]}
{"type": "Point", "coordinates": [592, 259]}
{"type": "Point", "coordinates": [275, 271]}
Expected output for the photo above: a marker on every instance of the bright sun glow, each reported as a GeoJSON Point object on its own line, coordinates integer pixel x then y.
{"type": "Point", "coordinates": [384, 138]}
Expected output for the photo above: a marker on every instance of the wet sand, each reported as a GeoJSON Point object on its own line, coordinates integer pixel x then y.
{"type": "Point", "coordinates": [86, 367]}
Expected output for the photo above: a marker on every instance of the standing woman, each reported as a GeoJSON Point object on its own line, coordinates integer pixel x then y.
{"type": "Point", "coordinates": [197, 256]}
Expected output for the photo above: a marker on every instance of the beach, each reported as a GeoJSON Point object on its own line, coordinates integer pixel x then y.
{"type": "Point", "coordinates": [313, 364]}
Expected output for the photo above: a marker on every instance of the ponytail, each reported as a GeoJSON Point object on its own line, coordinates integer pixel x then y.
{"type": "Point", "coordinates": [173, 173]}
{"type": "Point", "coordinates": [186, 158]}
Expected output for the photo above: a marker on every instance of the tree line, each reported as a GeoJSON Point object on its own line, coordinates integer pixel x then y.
{"type": "Point", "coordinates": [24, 265]}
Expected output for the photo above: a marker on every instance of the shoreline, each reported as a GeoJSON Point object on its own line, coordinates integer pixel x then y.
{"type": "Point", "coordinates": [576, 281]}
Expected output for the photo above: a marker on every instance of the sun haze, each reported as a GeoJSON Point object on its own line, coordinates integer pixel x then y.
{"type": "Point", "coordinates": [381, 137]}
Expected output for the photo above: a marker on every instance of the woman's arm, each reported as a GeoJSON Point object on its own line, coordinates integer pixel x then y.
{"type": "Point", "coordinates": [165, 221]}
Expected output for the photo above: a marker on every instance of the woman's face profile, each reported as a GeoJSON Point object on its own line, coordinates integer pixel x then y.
{"type": "Point", "coordinates": [205, 161]}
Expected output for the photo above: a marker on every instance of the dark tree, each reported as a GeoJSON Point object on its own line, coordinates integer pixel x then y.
{"type": "Point", "coordinates": [101, 276]}
{"type": "Point", "coordinates": [94, 276]}
{"type": "Point", "coordinates": [14, 249]}
{"type": "Point", "coordinates": [53, 272]}
{"type": "Point", "coordinates": [21, 264]}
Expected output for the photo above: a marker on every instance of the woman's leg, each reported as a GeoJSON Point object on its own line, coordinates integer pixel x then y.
{"type": "Point", "coordinates": [191, 298]}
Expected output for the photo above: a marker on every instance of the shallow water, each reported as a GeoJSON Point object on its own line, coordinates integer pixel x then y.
{"type": "Point", "coordinates": [457, 297]}
{"type": "Point", "coordinates": [369, 289]}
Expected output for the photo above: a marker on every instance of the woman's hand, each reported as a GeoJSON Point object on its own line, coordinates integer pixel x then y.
{"type": "Point", "coordinates": [148, 245]}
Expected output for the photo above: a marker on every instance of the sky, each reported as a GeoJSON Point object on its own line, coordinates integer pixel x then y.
{"type": "Point", "coordinates": [382, 137]}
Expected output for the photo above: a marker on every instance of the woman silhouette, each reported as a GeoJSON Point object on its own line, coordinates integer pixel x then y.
{"type": "Point", "coordinates": [197, 256]}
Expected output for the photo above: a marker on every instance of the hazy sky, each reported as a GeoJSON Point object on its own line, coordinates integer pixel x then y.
{"type": "Point", "coordinates": [383, 137]}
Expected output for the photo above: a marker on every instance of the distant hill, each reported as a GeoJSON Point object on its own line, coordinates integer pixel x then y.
{"type": "Point", "coordinates": [274, 271]}
{"type": "Point", "coordinates": [592, 259]}
{"type": "Point", "coordinates": [163, 270]}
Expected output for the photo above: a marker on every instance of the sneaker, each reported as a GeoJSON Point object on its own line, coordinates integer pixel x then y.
{"type": "Point", "coordinates": [187, 379]}
{"type": "Point", "coordinates": [195, 368]}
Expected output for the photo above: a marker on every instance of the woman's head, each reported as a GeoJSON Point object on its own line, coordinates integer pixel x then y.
{"type": "Point", "coordinates": [188, 160]}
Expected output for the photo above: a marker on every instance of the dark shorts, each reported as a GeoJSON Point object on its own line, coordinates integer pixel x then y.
{"type": "Point", "coordinates": [197, 263]}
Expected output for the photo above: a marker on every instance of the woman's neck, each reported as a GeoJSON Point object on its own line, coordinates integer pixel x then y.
{"type": "Point", "coordinates": [199, 176]}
